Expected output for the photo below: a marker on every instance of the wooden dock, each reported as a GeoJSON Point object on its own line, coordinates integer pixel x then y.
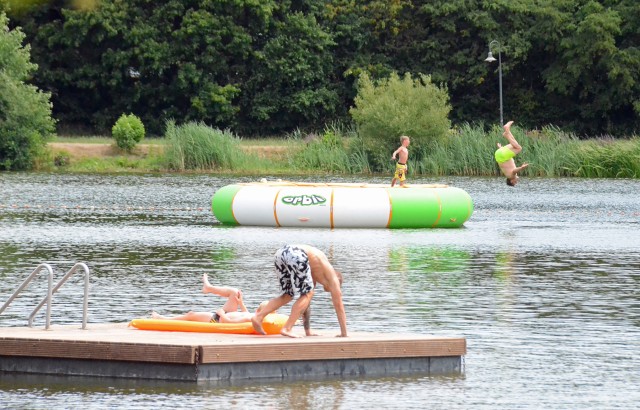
{"type": "Point", "coordinates": [116, 350]}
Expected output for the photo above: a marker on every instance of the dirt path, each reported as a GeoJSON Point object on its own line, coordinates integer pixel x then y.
{"type": "Point", "coordinates": [78, 150]}
{"type": "Point", "coordinates": [266, 151]}
{"type": "Point", "coordinates": [88, 150]}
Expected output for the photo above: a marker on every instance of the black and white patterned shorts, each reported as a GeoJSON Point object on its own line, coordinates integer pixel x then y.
{"type": "Point", "coordinates": [294, 272]}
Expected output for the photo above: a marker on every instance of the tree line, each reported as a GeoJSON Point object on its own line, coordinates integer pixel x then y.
{"type": "Point", "coordinates": [264, 67]}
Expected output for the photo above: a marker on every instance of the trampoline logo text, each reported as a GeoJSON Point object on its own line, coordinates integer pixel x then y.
{"type": "Point", "coordinates": [304, 200]}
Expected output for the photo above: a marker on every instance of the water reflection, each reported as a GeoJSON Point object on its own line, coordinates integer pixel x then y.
{"type": "Point", "coordinates": [42, 392]}
{"type": "Point", "coordinates": [504, 266]}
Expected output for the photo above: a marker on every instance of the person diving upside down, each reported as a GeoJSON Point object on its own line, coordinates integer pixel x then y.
{"type": "Point", "coordinates": [504, 156]}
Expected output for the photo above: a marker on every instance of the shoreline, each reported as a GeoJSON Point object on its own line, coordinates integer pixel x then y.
{"type": "Point", "coordinates": [588, 159]}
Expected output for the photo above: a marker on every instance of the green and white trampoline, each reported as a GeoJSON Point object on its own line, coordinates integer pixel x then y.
{"type": "Point", "coordinates": [337, 205]}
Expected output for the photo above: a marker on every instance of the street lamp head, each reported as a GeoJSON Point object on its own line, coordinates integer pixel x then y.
{"type": "Point", "coordinates": [490, 58]}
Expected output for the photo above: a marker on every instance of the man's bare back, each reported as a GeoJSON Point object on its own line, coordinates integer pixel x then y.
{"type": "Point", "coordinates": [322, 271]}
{"type": "Point", "coordinates": [313, 265]}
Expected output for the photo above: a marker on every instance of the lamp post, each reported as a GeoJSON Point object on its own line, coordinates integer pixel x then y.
{"type": "Point", "coordinates": [491, 59]}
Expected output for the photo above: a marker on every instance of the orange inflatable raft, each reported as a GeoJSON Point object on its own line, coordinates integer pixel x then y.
{"type": "Point", "coordinates": [272, 325]}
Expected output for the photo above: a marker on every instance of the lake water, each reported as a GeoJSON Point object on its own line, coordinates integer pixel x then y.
{"type": "Point", "coordinates": [543, 282]}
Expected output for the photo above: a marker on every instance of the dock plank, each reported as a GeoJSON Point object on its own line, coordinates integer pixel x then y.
{"type": "Point", "coordinates": [359, 346]}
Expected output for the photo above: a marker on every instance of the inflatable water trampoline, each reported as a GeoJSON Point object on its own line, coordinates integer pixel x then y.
{"type": "Point", "coordinates": [341, 205]}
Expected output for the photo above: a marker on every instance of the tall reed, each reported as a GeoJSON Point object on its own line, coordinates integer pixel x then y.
{"type": "Point", "coordinates": [607, 159]}
{"type": "Point", "coordinates": [336, 150]}
{"type": "Point", "coordinates": [319, 156]}
{"type": "Point", "coordinates": [196, 146]}
{"type": "Point", "coordinates": [467, 151]}
{"type": "Point", "coordinates": [550, 152]}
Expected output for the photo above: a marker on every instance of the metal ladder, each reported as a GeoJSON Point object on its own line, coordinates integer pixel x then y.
{"type": "Point", "coordinates": [51, 290]}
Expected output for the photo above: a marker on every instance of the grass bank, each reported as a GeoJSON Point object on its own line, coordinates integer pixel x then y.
{"type": "Point", "coordinates": [468, 151]}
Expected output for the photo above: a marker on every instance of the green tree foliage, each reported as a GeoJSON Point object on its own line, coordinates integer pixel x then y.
{"type": "Point", "coordinates": [25, 111]}
{"type": "Point", "coordinates": [444, 38]}
{"type": "Point", "coordinates": [173, 59]}
{"type": "Point", "coordinates": [20, 7]}
{"type": "Point", "coordinates": [273, 66]}
{"type": "Point", "coordinates": [388, 108]}
{"type": "Point", "coordinates": [449, 40]}
{"type": "Point", "coordinates": [128, 131]}
{"type": "Point", "coordinates": [594, 75]}
{"type": "Point", "coordinates": [295, 67]}
{"type": "Point", "coordinates": [217, 62]}
{"type": "Point", "coordinates": [359, 30]}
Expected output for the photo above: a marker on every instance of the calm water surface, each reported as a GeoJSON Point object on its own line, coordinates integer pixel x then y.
{"type": "Point", "coordinates": [543, 281]}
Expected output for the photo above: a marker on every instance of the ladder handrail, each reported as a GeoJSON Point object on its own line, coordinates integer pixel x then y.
{"type": "Point", "coordinates": [24, 285]}
{"type": "Point", "coordinates": [67, 275]}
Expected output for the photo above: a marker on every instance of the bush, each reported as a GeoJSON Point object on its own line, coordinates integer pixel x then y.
{"type": "Point", "coordinates": [25, 111]}
{"type": "Point", "coordinates": [128, 131]}
{"type": "Point", "coordinates": [391, 107]}
{"type": "Point", "coordinates": [62, 159]}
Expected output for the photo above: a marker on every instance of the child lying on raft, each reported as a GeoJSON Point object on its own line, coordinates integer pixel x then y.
{"type": "Point", "coordinates": [228, 313]}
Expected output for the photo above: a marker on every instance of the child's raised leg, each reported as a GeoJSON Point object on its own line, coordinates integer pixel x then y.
{"type": "Point", "coordinates": [233, 295]}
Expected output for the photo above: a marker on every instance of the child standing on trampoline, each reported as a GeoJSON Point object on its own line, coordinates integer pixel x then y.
{"type": "Point", "coordinates": [401, 166]}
